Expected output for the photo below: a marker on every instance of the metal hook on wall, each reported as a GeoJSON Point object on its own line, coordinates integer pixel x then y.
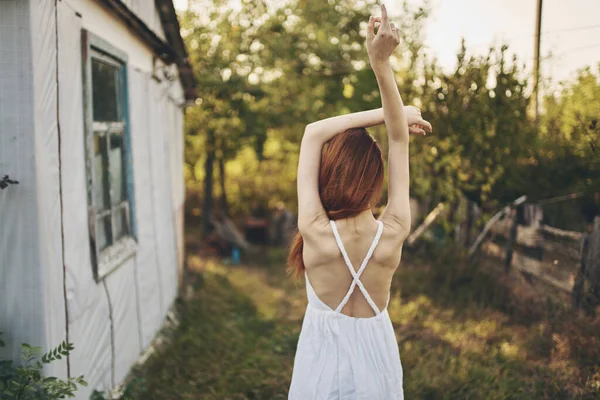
{"type": "Point", "coordinates": [6, 181]}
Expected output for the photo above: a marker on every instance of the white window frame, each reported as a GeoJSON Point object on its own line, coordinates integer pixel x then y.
{"type": "Point", "coordinates": [106, 260]}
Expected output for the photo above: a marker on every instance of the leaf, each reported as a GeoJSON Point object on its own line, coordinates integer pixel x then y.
{"type": "Point", "coordinates": [14, 384]}
{"type": "Point", "coordinates": [30, 389]}
{"type": "Point", "coordinates": [82, 381]}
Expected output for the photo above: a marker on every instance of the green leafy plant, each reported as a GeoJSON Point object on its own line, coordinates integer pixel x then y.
{"type": "Point", "coordinates": [26, 382]}
{"type": "Point", "coordinates": [97, 395]}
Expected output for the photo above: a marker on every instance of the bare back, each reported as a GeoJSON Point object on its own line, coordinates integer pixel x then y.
{"type": "Point", "coordinates": [330, 276]}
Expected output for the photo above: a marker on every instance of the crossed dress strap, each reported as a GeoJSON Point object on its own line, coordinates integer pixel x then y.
{"type": "Point", "coordinates": [356, 274]}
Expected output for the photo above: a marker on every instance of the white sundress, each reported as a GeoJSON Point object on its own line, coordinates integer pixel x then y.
{"type": "Point", "coordinates": [342, 357]}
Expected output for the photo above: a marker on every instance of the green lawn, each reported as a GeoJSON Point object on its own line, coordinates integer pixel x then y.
{"type": "Point", "coordinates": [463, 334]}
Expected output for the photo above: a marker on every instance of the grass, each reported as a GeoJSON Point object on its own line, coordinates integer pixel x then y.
{"type": "Point", "coordinates": [463, 334]}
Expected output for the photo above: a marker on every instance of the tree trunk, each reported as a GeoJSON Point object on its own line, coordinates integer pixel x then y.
{"type": "Point", "coordinates": [208, 181]}
{"type": "Point", "coordinates": [224, 203]}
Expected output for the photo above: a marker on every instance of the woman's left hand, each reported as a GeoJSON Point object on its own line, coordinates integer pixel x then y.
{"type": "Point", "coordinates": [416, 124]}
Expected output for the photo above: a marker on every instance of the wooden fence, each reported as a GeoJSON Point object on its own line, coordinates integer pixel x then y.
{"type": "Point", "coordinates": [566, 260]}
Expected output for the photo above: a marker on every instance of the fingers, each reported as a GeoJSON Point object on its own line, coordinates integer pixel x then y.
{"type": "Point", "coordinates": [426, 125]}
{"type": "Point", "coordinates": [371, 28]}
{"type": "Point", "coordinates": [385, 22]}
{"type": "Point", "coordinates": [413, 129]}
{"type": "Point", "coordinates": [395, 30]}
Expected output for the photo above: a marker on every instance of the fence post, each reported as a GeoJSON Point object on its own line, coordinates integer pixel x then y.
{"type": "Point", "coordinates": [580, 279]}
{"type": "Point", "coordinates": [488, 225]}
{"type": "Point", "coordinates": [512, 238]}
{"type": "Point", "coordinates": [593, 264]}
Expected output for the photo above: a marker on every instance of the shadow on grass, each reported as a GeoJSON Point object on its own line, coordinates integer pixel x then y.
{"type": "Point", "coordinates": [224, 348]}
{"type": "Point", "coordinates": [462, 335]}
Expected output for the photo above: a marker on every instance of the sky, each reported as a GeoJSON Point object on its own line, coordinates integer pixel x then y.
{"type": "Point", "coordinates": [570, 31]}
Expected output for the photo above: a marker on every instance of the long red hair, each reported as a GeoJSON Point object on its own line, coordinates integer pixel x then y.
{"type": "Point", "coordinates": [350, 181]}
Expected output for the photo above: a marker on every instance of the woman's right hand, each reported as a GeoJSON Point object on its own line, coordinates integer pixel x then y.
{"type": "Point", "coordinates": [380, 46]}
{"type": "Point", "coordinates": [416, 124]}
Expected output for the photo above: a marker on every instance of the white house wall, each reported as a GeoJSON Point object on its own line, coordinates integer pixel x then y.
{"type": "Point", "coordinates": [96, 19]}
{"type": "Point", "coordinates": [88, 305]}
{"type": "Point", "coordinates": [121, 290]}
{"type": "Point", "coordinates": [110, 323]}
{"type": "Point", "coordinates": [146, 10]}
{"type": "Point", "coordinates": [164, 222]}
{"type": "Point", "coordinates": [43, 34]}
{"type": "Point", "coordinates": [44, 238]}
{"type": "Point", "coordinates": [149, 287]}
{"type": "Point", "coordinates": [21, 302]}
{"type": "Point", "coordinates": [176, 142]}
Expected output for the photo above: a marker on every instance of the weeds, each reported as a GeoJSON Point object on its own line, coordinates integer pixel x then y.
{"type": "Point", "coordinates": [463, 332]}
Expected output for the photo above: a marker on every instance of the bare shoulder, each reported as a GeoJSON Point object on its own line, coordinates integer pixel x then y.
{"type": "Point", "coordinates": [319, 243]}
{"type": "Point", "coordinates": [389, 249]}
{"type": "Point", "coordinates": [313, 226]}
{"type": "Point", "coordinates": [395, 228]}
{"type": "Point", "coordinates": [313, 231]}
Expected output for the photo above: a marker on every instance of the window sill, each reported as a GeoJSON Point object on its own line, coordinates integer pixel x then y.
{"type": "Point", "coordinates": [114, 256]}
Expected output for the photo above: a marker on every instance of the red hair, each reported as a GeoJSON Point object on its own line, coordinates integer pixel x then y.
{"type": "Point", "coordinates": [350, 181]}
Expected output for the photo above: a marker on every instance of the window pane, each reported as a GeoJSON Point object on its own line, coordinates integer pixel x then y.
{"type": "Point", "coordinates": [120, 223]}
{"type": "Point", "coordinates": [117, 172]}
{"type": "Point", "coordinates": [103, 233]}
{"type": "Point", "coordinates": [101, 173]}
{"type": "Point", "coordinates": [105, 91]}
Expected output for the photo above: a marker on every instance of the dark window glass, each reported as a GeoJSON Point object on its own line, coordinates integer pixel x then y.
{"type": "Point", "coordinates": [105, 91]}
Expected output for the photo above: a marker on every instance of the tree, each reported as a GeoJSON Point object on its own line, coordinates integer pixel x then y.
{"type": "Point", "coordinates": [261, 68]}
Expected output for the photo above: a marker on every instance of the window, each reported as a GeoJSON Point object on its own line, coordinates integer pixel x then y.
{"type": "Point", "coordinates": [109, 183]}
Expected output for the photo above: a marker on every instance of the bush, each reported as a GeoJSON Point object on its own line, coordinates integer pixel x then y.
{"type": "Point", "coordinates": [26, 382]}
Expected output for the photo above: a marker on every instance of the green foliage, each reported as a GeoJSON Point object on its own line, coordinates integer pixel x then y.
{"type": "Point", "coordinates": [97, 395]}
{"type": "Point", "coordinates": [567, 158]}
{"type": "Point", "coordinates": [481, 129]}
{"type": "Point", "coordinates": [264, 73]}
{"type": "Point", "coordinates": [135, 389]}
{"type": "Point", "coordinates": [266, 70]}
{"type": "Point", "coordinates": [25, 381]}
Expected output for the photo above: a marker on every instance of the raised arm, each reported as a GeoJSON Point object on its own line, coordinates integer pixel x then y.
{"type": "Point", "coordinates": [310, 209]}
{"type": "Point", "coordinates": [399, 121]}
{"type": "Point", "coordinates": [380, 46]}
{"type": "Point", "coordinates": [316, 134]}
